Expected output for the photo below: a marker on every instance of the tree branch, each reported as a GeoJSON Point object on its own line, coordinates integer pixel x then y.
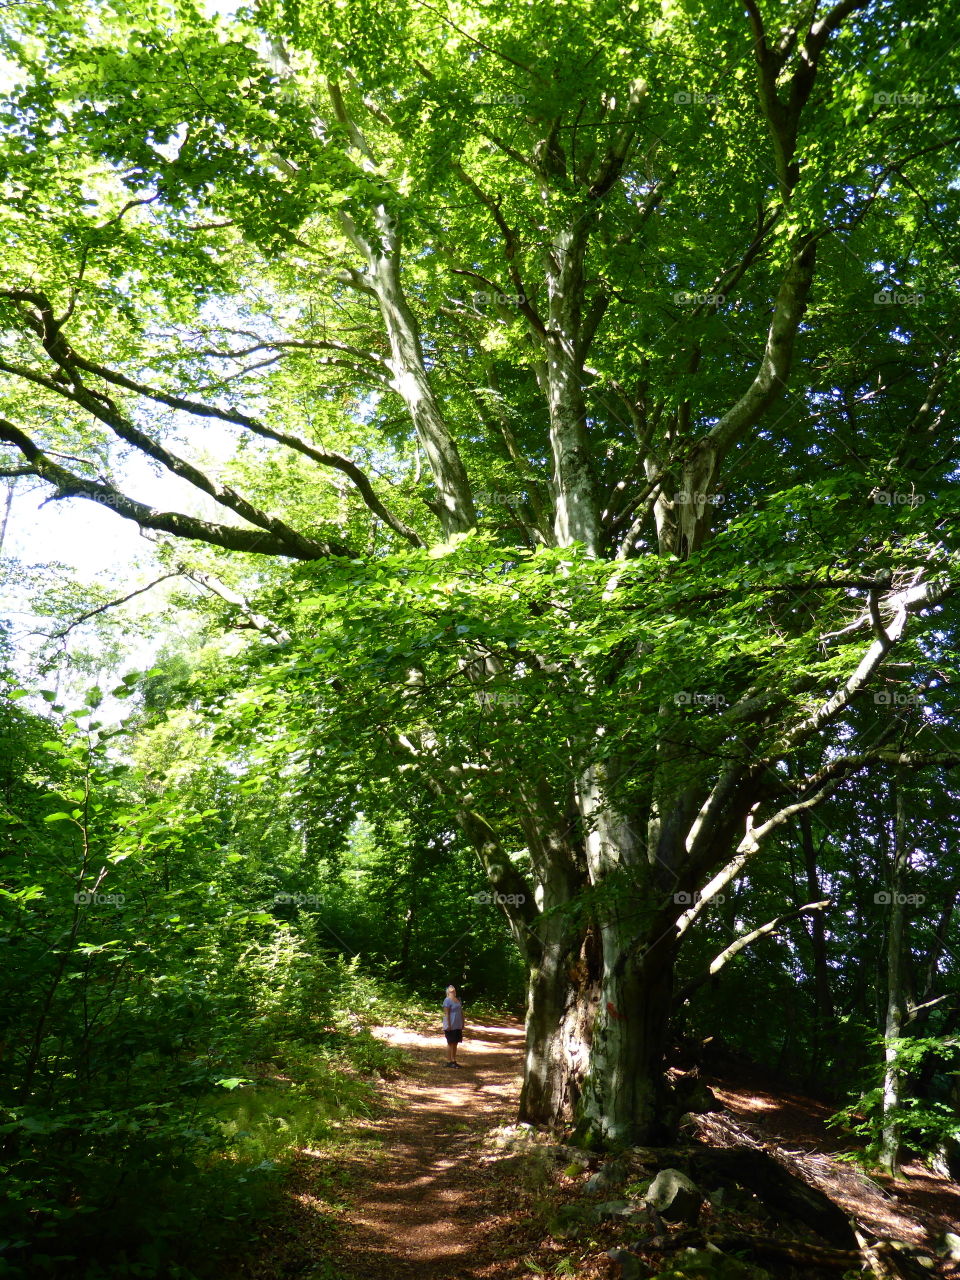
{"type": "Point", "coordinates": [69, 485]}
{"type": "Point", "coordinates": [111, 604]}
{"type": "Point", "coordinates": [69, 361]}
{"type": "Point", "coordinates": [774, 371]}
{"type": "Point", "coordinates": [764, 931]}
{"type": "Point", "coordinates": [510, 244]}
{"type": "Point", "coordinates": [110, 415]}
{"type": "Point", "coordinates": [255, 621]}
{"type": "Point", "coordinates": [917, 595]}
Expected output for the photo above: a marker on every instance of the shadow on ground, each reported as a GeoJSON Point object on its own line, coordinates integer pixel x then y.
{"type": "Point", "coordinates": [421, 1214]}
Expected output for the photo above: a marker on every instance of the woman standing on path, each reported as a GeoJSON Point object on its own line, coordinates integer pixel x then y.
{"type": "Point", "coordinates": [452, 1025]}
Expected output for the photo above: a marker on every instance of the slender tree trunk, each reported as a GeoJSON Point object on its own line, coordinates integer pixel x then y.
{"type": "Point", "coordinates": [577, 508]}
{"type": "Point", "coordinates": [411, 381]}
{"type": "Point", "coordinates": [6, 511]}
{"type": "Point", "coordinates": [824, 1020]}
{"type": "Point", "coordinates": [893, 1023]}
{"type": "Point", "coordinates": [403, 962]}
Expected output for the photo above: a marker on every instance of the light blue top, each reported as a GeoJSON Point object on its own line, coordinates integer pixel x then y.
{"type": "Point", "coordinates": [452, 1015]}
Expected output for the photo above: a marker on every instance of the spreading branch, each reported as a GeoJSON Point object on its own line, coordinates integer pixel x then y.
{"type": "Point", "coordinates": [231, 538]}
{"type": "Point", "coordinates": [740, 944]}
{"type": "Point", "coordinates": [69, 385]}
{"type": "Point", "coordinates": [111, 604]}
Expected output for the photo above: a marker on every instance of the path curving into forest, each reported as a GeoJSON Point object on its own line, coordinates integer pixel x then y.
{"type": "Point", "coordinates": [421, 1215]}
{"type": "Point", "coordinates": [414, 1197]}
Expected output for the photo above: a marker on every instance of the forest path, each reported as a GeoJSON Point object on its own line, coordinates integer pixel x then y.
{"type": "Point", "coordinates": [415, 1193]}
{"type": "Point", "coordinates": [420, 1214]}
{"type": "Point", "coordinates": [408, 1196]}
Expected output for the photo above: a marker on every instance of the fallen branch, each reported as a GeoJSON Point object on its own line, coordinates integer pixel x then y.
{"type": "Point", "coordinates": [775, 1186]}
{"type": "Point", "coordinates": [796, 1253]}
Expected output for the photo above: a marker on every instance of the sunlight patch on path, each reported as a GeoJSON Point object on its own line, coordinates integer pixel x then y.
{"type": "Point", "coordinates": [417, 1214]}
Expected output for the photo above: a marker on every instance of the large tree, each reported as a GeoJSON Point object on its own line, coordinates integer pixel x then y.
{"type": "Point", "coordinates": [624, 334]}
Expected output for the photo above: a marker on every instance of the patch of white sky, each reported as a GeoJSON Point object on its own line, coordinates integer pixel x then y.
{"type": "Point", "coordinates": [90, 544]}
{"type": "Point", "coordinates": [221, 8]}
{"type": "Point", "coordinates": [94, 541]}
{"type": "Point", "coordinates": [93, 544]}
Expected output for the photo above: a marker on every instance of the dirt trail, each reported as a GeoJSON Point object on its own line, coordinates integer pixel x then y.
{"type": "Point", "coordinates": [421, 1213]}
{"type": "Point", "coordinates": [413, 1195]}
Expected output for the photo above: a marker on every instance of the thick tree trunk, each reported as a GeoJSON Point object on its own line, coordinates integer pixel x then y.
{"type": "Point", "coordinates": [563, 992]}
{"type": "Point", "coordinates": [626, 1099]}
{"type": "Point", "coordinates": [598, 1026]}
